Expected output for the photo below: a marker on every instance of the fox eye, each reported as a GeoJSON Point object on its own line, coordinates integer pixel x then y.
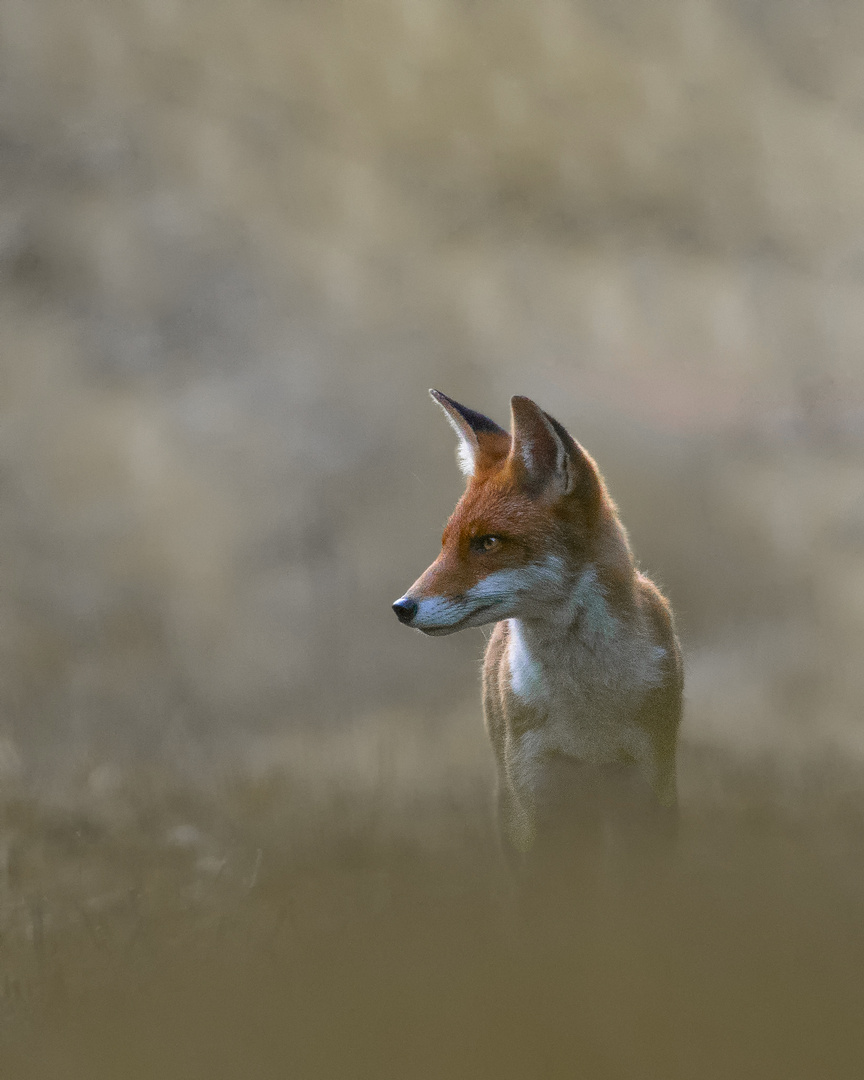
{"type": "Point", "coordinates": [485, 543]}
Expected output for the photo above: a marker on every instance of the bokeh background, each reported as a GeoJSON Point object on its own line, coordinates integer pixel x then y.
{"type": "Point", "coordinates": [238, 242]}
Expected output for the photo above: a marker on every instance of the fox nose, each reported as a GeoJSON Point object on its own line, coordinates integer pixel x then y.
{"type": "Point", "coordinates": [405, 609]}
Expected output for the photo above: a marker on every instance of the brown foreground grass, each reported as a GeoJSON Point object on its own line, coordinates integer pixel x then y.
{"type": "Point", "coordinates": [239, 934]}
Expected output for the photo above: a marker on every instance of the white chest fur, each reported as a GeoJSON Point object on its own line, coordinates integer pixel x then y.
{"type": "Point", "coordinates": [584, 690]}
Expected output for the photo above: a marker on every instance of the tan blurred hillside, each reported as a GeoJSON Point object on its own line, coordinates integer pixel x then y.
{"type": "Point", "coordinates": [237, 244]}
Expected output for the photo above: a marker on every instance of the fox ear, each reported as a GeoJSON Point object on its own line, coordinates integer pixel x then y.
{"type": "Point", "coordinates": [547, 457]}
{"type": "Point", "coordinates": [473, 428]}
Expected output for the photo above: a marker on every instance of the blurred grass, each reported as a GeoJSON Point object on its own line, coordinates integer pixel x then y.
{"type": "Point", "coordinates": [210, 937]}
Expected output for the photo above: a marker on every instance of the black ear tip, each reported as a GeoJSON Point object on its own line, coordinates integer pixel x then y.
{"type": "Point", "coordinates": [461, 414]}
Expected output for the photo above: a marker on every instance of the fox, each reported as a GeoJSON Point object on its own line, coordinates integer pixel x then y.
{"type": "Point", "coordinates": [582, 674]}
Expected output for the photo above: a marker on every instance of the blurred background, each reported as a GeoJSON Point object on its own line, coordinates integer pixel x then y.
{"type": "Point", "coordinates": [239, 241]}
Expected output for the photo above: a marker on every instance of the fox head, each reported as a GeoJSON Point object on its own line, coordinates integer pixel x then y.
{"type": "Point", "coordinates": [534, 516]}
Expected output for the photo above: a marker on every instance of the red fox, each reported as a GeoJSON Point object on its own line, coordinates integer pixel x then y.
{"type": "Point", "coordinates": [583, 674]}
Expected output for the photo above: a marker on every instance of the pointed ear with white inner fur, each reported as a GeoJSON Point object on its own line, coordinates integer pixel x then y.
{"type": "Point", "coordinates": [471, 427]}
{"type": "Point", "coordinates": [542, 451]}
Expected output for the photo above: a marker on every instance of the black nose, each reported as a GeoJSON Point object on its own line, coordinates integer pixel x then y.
{"type": "Point", "coordinates": [405, 609]}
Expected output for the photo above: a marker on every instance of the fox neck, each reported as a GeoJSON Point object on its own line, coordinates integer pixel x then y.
{"type": "Point", "coordinates": [587, 624]}
{"type": "Point", "coordinates": [602, 589]}
{"type": "Point", "coordinates": [582, 635]}
{"type": "Point", "coordinates": [592, 612]}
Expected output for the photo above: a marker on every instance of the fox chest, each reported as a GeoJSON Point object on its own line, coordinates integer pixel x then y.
{"type": "Point", "coordinates": [582, 706]}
